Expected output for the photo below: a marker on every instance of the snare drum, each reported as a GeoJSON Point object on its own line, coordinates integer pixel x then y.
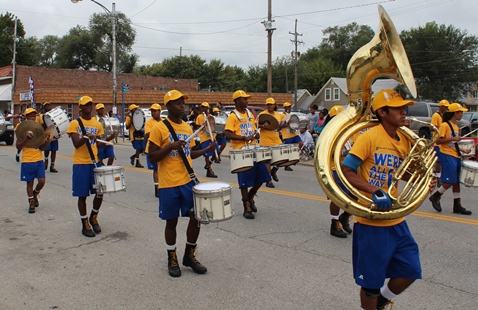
{"type": "Point", "coordinates": [241, 160]}
{"type": "Point", "coordinates": [280, 154]}
{"type": "Point", "coordinates": [220, 124]}
{"type": "Point", "coordinates": [110, 179]}
{"type": "Point", "coordinates": [294, 155]}
{"type": "Point", "coordinates": [57, 117]}
{"type": "Point", "coordinates": [110, 123]}
{"type": "Point", "coordinates": [138, 119]}
{"type": "Point", "coordinates": [262, 154]}
{"type": "Point", "coordinates": [467, 147]}
{"type": "Point", "coordinates": [469, 173]}
{"type": "Point", "coordinates": [212, 202]}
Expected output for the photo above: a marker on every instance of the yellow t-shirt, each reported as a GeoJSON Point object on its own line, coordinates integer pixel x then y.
{"type": "Point", "coordinates": [202, 135]}
{"type": "Point", "coordinates": [31, 155]}
{"type": "Point", "coordinates": [286, 131]}
{"type": "Point", "coordinates": [81, 154]}
{"type": "Point", "coordinates": [445, 132]}
{"type": "Point", "coordinates": [129, 123]}
{"type": "Point", "coordinates": [39, 119]}
{"type": "Point", "coordinates": [171, 169]}
{"type": "Point", "coordinates": [244, 125]}
{"type": "Point", "coordinates": [269, 137]}
{"type": "Point", "coordinates": [147, 129]}
{"type": "Point", "coordinates": [380, 155]}
{"type": "Point", "coordinates": [437, 119]}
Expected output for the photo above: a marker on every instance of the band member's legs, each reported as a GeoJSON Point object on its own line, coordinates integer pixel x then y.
{"type": "Point", "coordinates": [170, 231]}
{"type": "Point", "coordinates": [193, 230]}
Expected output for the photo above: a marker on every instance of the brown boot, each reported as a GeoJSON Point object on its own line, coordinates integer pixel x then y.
{"type": "Point", "coordinates": [31, 207]}
{"type": "Point", "coordinates": [86, 230]}
{"type": "Point", "coordinates": [94, 222]}
{"type": "Point", "coordinates": [173, 265]}
{"type": "Point", "coordinates": [458, 208]}
{"type": "Point", "coordinates": [35, 196]}
{"type": "Point", "coordinates": [52, 168]}
{"type": "Point", "coordinates": [337, 230]}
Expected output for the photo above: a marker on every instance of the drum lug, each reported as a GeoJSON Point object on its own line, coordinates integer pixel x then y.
{"type": "Point", "coordinates": [205, 215]}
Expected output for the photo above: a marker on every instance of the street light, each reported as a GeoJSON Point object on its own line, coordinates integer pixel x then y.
{"type": "Point", "coordinates": [112, 13]}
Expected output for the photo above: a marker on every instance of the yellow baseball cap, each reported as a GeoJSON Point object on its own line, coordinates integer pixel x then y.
{"type": "Point", "coordinates": [174, 95]}
{"type": "Point", "coordinates": [45, 103]}
{"type": "Point", "coordinates": [133, 106]}
{"type": "Point", "coordinates": [444, 103]}
{"type": "Point", "coordinates": [155, 106]}
{"type": "Point", "coordinates": [100, 106]}
{"type": "Point", "coordinates": [389, 98]}
{"type": "Point", "coordinates": [456, 107]}
{"type": "Point", "coordinates": [84, 100]}
{"type": "Point", "coordinates": [239, 94]}
{"type": "Point", "coordinates": [270, 101]}
{"type": "Point", "coordinates": [287, 104]}
{"type": "Point", "coordinates": [29, 110]}
{"type": "Point", "coordinates": [205, 104]}
{"type": "Point", "coordinates": [216, 110]}
{"type": "Point", "coordinates": [336, 109]}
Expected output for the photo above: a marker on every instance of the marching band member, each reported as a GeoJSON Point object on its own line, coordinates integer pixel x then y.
{"type": "Point", "coordinates": [175, 184]}
{"type": "Point", "coordinates": [53, 147]}
{"type": "Point", "coordinates": [270, 137]}
{"type": "Point", "coordinates": [437, 119]}
{"type": "Point", "coordinates": [381, 248]}
{"type": "Point", "coordinates": [288, 135]}
{"type": "Point", "coordinates": [450, 159]}
{"type": "Point", "coordinates": [221, 141]}
{"type": "Point", "coordinates": [205, 139]}
{"type": "Point", "coordinates": [83, 182]}
{"type": "Point", "coordinates": [104, 150]}
{"type": "Point", "coordinates": [135, 136]}
{"type": "Point", "coordinates": [155, 119]}
{"type": "Point", "coordinates": [241, 130]}
{"type": "Point", "coordinates": [32, 164]}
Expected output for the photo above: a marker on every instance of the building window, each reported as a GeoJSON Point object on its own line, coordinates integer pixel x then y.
{"type": "Point", "coordinates": [69, 109]}
{"type": "Point", "coordinates": [336, 94]}
{"type": "Point", "coordinates": [328, 95]}
{"type": "Point", "coordinates": [475, 93]}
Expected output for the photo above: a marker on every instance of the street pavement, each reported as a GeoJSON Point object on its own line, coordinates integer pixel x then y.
{"type": "Point", "coordinates": [284, 259]}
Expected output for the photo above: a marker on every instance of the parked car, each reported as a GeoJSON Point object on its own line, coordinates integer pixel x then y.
{"type": "Point", "coordinates": [6, 130]}
{"type": "Point", "coordinates": [468, 122]}
{"type": "Point", "coordinates": [422, 111]}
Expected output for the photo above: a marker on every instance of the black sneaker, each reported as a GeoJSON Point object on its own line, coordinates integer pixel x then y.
{"type": "Point", "coordinates": [337, 230]}
{"type": "Point", "coordinates": [435, 200]}
{"type": "Point", "coordinates": [270, 184]}
{"type": "Point", "coordinates": [461, 210]}
{"type": "Point", "coordinates": [248, 211]}
{"type": "Point", "coordinates": [138, 164]}
{"type": "Point", "coordinates": [190, 260]}
{"type": "Point", "coordinates": [131, 159]}
{"type": "Point", "coordinates": [288, 168]}
{"type": "Point", "coordinates": [17, 158]}
{"type": "Point", "coordinates": [52, 169]}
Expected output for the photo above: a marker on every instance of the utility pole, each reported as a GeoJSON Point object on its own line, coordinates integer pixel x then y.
{"type": "Point", "coordinates": [14, 66]}
{"type": "Point", "coordinates": [113, 21]}
{"type": "Point", "coordinates": [270, 30]}
{"type": "Point", "coordinates": [296, 42]}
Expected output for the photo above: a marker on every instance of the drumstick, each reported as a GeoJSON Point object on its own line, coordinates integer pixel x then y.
{"type": "Point", "coordinates": [105, 142]}
{"type": "Point", "coordinates": [195, 133]}
{"type": "Point", "coordinates": [210, 133]}
{"type": "Point", "coordinates": [469, 133]}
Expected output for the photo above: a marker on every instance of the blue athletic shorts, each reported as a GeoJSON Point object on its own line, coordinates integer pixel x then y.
{"type": "Point", "coordinates": [257, 175]}
{"type": "Point", "coordinates": [340, 184]}
{"type": "Point", "coordinates": [83, 180]}
{"type": "Point", "coordinates": [174, 200]}
{"type": "Point", "coordinates": [292, 140]}
{"type": "Point", "coordinates": [31, 171]}
{"type": "Point", "coordinates": [204, 145]}
{"type": "Point", "coordinates": [138, 144]}
{"type": "Point", "coordinates": [450, 169]}
{"type": "Point", "coordinates": [150, 165]}
{"type": "Point", "coordinates": [437, 151]}
{"type": "Point", "coordinates": [220, 141]}
{"type": "Point", "coordinates": [53, 146]}
{"type": "Point", "coordinates": [106, 151]}
{"type": "Point", "coordinates": [384, 252]}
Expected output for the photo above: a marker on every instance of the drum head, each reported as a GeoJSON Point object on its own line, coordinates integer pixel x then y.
{"type": "Point", "coordinates": [211, 186]}
{"type": "Point", "coordinates": [472, 165]}
{"type": "Point", "coordinates": [138, 120]}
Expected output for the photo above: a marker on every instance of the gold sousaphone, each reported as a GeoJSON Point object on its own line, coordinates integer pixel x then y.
{"type": "Point", "coordinates": [383, 57]}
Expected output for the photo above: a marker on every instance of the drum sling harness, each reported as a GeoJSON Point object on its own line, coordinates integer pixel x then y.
{"type": "Point", "coordinates": [456, 143]}
{"type": "Point", "coordinates": [190, 170]}
{"type": "Point", "coordinates": [88, 145]}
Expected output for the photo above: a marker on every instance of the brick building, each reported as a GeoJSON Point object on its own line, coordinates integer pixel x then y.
{"type": "Point", "coordinates": [63, 87]}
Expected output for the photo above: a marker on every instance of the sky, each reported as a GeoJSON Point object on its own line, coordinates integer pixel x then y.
{"type": "Point", "coordinates": [231, 30]}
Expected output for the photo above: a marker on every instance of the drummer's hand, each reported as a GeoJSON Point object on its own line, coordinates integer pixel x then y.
{"type": "Point", "coordinates": [433, 184]}
{"type": "Point", "coordinates": [457, 138]}
{"type": "Point", "coordinates": [113, 134]}
{"type": "Point", "coordinates": [211, 147]}
{"type": "Point", "coordinates": [177, 145]}
{"type": "Point", "coordinates": [30, 135]}
{"type": "Point", "coordinates": [249, 138]}
{"type": "Point", "coordinates": [266, 124]}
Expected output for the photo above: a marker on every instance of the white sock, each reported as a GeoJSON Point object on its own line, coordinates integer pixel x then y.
{"type": "Point", "coordinates": [170, 247]}
{"type": "Point", "coordinates": [189, 243]}
{"type": "Point", "coordinates": [441, 190]}
{"type": "Point", "coordinates": [334, 217]}
{"type": "Point", "coordinates": [438, 174]}
{"type": "Point", "coordinates": [456, 195]}
{"type": "Point", "coordinates": [387, 293]}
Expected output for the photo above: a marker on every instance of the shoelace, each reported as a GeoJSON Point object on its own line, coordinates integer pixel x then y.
{"type": "Point", "coordinates": [87, 225]}
{"type": "Point", "coordinates": [173, 259]}
{"type": "Point", "coordinates": [94, 219]}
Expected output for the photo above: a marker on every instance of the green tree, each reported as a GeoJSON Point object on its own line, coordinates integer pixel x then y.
{"type": "Point", "coordinates": [7, 30]}
{"type": "Point", "coordinates": [443, 61]}
{"type": "Point", "coordinates": [28, 52]}
{"type": "Point", "coordinates": [48, 47]}
{"type": "Point", "coordinates": [77, 49]}
{"type": "Point", "coordinates": [316, 72]}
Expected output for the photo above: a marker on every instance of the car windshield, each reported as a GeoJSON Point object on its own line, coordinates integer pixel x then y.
{"type": "Point", "coordinates": [468, 116]}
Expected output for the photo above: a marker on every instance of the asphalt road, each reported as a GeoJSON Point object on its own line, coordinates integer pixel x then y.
{"type": "Point", "coordinates": [284, 259]}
